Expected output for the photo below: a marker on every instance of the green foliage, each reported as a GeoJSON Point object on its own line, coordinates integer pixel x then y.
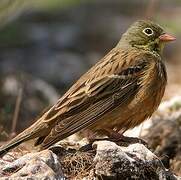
{"type": "Point", "coordinates": [9, 9]}
{"type": "Point", "coordinates": [54, 4]}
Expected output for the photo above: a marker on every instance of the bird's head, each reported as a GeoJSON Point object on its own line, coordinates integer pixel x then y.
{"type": "Point", "coordinates": [146, 35]}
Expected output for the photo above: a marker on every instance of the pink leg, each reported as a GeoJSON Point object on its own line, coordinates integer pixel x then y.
{"type": "Point", "coordinates": [118, 136]}
{"type": "Point", "coordinates": [115, 134]}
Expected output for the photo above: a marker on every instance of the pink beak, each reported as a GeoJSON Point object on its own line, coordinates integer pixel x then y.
{"type": "Point", "coordinates": [166, 38]}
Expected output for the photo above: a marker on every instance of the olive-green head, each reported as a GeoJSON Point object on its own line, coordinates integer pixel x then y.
{"type": "Point", "coordinates": [146, 35]}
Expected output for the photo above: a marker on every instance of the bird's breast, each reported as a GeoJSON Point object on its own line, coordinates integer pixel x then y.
{"type": "Point", "coordinates": [142, 106]}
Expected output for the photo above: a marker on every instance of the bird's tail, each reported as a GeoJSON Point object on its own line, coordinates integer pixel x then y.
{"type": "Point", "coordinates": [32, 132]}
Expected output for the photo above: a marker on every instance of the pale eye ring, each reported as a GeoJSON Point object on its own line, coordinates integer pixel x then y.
{"type": "Point", "coordinates": [148, 31]}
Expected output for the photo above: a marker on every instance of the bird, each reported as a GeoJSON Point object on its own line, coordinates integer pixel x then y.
{"type": "Point", "coordinates": [118, 93]}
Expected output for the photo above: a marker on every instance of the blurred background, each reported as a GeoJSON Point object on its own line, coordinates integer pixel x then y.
{"type": "Point", "coordinates": [45, 45]}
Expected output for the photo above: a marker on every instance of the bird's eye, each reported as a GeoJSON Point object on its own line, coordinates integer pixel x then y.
{"type": "Point", "coordinates": [148, 31]}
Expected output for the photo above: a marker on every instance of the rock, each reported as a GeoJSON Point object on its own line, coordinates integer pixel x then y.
{"type": "Point", "coordinates": [41, 165]}
{"type": "Point", "coordinates": [132, 162]}
{"type": "Point", "coordinates": [106, 160]}
{"type": "Point", "coordinates": [164, 135]}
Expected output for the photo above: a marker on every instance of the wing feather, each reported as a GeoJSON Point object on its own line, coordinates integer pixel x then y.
{"type": "Point", "coordinates": [86, 118]}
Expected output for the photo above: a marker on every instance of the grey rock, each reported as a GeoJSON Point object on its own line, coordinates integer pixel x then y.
{"type": "Point", "coordinates": [41, 165]}
{"type": "Point", "coordinates": [109, 161]}
{"type": "Point", "coordinates": [132, 162]}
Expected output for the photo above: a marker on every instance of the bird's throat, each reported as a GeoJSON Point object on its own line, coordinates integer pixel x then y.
{"type": "Point", "coordinates": [156, 47]}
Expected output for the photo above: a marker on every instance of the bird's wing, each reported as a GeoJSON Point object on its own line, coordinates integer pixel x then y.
{"type": "Point", "coordinates": [110, 83]}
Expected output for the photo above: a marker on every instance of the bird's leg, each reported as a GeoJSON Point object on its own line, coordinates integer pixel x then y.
{"type": "Point", "coordinates": [117, 136]}
{"type": "Point", "coordinates": [114, 134]}
{"type": "Point", "coordinates": [95, 136]}
{"type": "Point", "coordinates": [110, 133]}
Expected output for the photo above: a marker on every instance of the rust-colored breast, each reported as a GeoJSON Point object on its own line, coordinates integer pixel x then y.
{"type": "Point", "coordinates": [142, 106]}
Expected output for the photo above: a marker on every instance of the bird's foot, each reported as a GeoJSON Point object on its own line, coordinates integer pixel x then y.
{"type": "Point", "coordinates": [116, 137]}
{"type": "Point", "coordinates": [87, 147]}
{"type": "Point", "coordinates": [125, 140]}
{"type": "Point", "coordinates": [120, 139]}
